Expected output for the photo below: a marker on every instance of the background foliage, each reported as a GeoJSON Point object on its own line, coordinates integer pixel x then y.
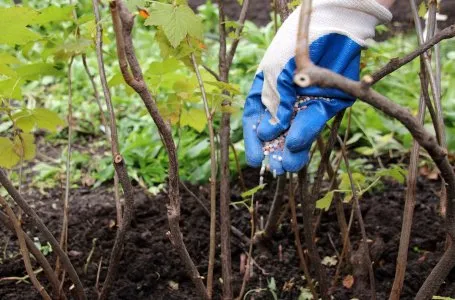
{"type": "Point", "coordinates": [39, 38]}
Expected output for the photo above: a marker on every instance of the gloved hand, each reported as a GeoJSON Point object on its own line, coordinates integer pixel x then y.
{"type": "Point", "coordinates": [338, 31]}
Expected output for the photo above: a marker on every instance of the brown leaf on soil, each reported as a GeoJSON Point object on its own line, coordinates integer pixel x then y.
{"type": "Point", "coordinates": [430, 173]}
{"type": "Point", "coordinates": [112, 224]}
{"type": "Point", "coordinates": [348, 281]}
{"type": "Point", "coordinates": [87, 180]}
{"type": "Point", "coordinates": [288, 285]}
{"type": "Point", "coordinates": [423, 257]}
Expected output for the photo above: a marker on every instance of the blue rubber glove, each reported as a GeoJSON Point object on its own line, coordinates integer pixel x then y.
{"type": "Point", "coordinates": [281, 120]}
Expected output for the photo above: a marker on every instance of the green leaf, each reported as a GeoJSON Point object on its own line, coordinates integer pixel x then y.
{"type": "Point", "coordinates": [364, 150]}
{"type": "Point", "coordinates": [11, 88]}
{"type": "Point", "coordinates": [7, 71]}
{"type": "Point", "coordinates": [46, 119]}
{"type": "Point", "coordinates": [72, 48]}
{"type": "Point", "coordinates": [24, 145]}
{"type": "Point", "coordinates": [345, 184]}
{"type": "Point", "coordinates": [325, 202]}
{"type": "Point", "coordinates": [13, 24]}
{"type": "Point", "coordinates": [8, 59]}
{"type": "Point", "coordinates": [195, 118]}
{"type": "Point", "coordinates": [422, 9]}
{"type": "Point", "coordinates": [24, 120]}
{"type": "Point", "coordinates": [40, 117]}
{"type": "Point", "coordinates": [8, 157]}
{"type": "Point", "coordinates": [37, 70]}
{"type": "Point", "coordinates": [177, 22]}
{"type": "Point", "coordinates": [166, 66]}
{"type": "Point", "coordinates": [396, 172]}
{"type": "Point", "coordinates": [171, 108]}
{"type": "Point", "coordinates": [253, 191]}
{"type": "Point", "coordinates": [54, 14]}
{"type": "Point", "coordinates": [305, 294]}
{"type": "Point", "coordinates": [231, 88]}
{"type": "Point", "coordinates": [132, 5]}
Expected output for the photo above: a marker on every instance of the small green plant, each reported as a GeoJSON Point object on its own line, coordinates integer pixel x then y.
{"type": "Point", "coordinates": [45, 249]}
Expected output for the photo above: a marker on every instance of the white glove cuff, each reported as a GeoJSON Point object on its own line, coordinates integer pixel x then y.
{"type": "Point", "coordinates": [356, 19]}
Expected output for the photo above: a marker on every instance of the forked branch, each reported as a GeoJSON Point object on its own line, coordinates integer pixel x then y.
{"type": "Point", "coordinates": [36, 221]}
{"type": "Point", "coordinates": [326, 78]}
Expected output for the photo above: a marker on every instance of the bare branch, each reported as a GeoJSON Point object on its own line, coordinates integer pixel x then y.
{"type": "Point", "coordinates": [64, 232]}
{"type": "Point", "coordinates": [36, 221]}
{"type": "Point", "coordinates": [274, 212]}
{"type": "Point", "coordinates": [238, 32]}
{"type": "Point", "coordinates": [41, 259]}
{"type": "Point", "coordinates": [214, 74]}
{"type": "Point", "coordinates": [298, 243]}
{"type": "Point", "coordinates": [23, 249]}
{"type": "Point", "coordinates": [123, 22]}
{"type": "Point", "coordinates": [365, 260]}
{"type": "Point", "coordinates": [118, 162]}
{"type": "Point", "coordinates": [213, 171]}
{"type": "Point", "coordinates": [396, 63]}
{"type": "Point", "coordinates": [302, 54]}
{"type": "Point", "coordinates": [325, 78]}
{"type": "Point", "coordinates": [307, 202]}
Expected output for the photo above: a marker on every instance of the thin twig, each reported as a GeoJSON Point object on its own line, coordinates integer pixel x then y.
{"type": "Point", "coordinates": [64, 232]}
{"type": "Point", "coordinates": [250, 250]}
{"type": "Point", "coordinates": [23, 249]}
{"type": "Point", "coordinates": [239, 169]}
{"type": "Point", "coordinates": [325, 78]}
{"type": "Point", "coordinates": [41, 259]}
{"type": "Point", "coordinates": [238, 32]}
{"type": "Point", "coordinates": [298, 243]}
{"type": "Point", "coordinates": [274, 213]}
{"type": "Point", "coordinates": [36, 221]}
{"type": "Point", "coordinates": [307, 203]}
{"type": "Point", "coordinates": [440, 130]}
{"type": "Point", "coordinates": [97, 282]}
{"type": "Point", "coordinates": [410, 198]}
{"type": "Point", "coordinates": [302, 54]}
{"type": "Point", "coordinates": [104, 122]}
{"type": "Point", "coordinates": [118, 163]}
{"type": "Point", "coordinates": [364, 241]}
{"type": "Point", "coordinates": [213, 176]}
{"type": "Point", "coordinates": [408, 213]}
{"type": "Point", "coordinates": [396, 63]}
{"type": "Point", "coordinates": [225, 60]}
{"type": "Point", "coordinates": [244, 239]}
{"type": "Point", "coordinates": [345, 249]}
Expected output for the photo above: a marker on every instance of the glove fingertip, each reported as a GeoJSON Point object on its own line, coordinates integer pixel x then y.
{"type": "Point", "coordinates": [275, 163]}
{"type": "Point", "coordinates": [269, 130]}
{"type": "Point", "coordinates": [295, 161]}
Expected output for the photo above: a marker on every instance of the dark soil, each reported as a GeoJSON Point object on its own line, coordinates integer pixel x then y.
{"type": "Point", "coordinates": [150, 268]}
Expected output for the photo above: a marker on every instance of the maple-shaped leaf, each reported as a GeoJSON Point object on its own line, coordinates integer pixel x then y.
{"type": "Point", "coordinates": [177, 21]}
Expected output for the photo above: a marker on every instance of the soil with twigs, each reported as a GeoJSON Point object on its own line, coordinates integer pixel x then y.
{"type": "Point", "coordinates": [151, 269]}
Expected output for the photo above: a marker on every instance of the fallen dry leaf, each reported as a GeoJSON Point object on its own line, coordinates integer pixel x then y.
{"type": "Point", "coordinates": [112, 224]}
{"type": "Point", "coordinates": [348, 281]}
